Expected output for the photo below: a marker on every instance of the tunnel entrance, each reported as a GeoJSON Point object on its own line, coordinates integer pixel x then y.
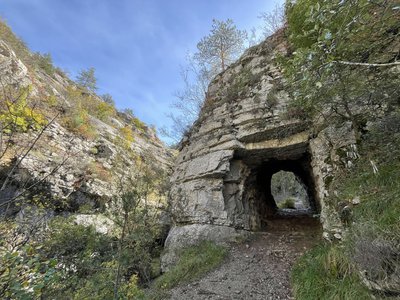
{"type": "Point", "coordinates": [272, 184]}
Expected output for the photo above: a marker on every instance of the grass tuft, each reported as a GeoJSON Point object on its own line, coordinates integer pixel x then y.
{"type": "Point", "coordinates": [326, 272]}
{"type": "Point", "coordinates": [194, 262]}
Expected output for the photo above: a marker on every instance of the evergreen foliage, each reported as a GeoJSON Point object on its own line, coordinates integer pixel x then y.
{"type": "Point", "coordinates": [215, 52]}
{"type": "Point", "coordinates": [45, 62]}
{"type": "Point", "coordinates": [107, 98]}
{"type": "Point", "coordinates": [87, 79]}
{"type": "Point", "coordinates": [222, 46]}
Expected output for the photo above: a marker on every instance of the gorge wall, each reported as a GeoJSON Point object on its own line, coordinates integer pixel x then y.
{"type": "Point", "coordinates": [245, 134]}
{"type": "Point", "coordinates": [69, 168]}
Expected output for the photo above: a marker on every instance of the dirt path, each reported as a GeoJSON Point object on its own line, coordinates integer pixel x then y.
{"type": "Point", "coordinates": [259, 269]}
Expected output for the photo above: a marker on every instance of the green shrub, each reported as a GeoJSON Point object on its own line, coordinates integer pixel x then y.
{"type": "Point", "coordinates": [125, 138]}
{"type": "Point", "coordinates": [78, 121]}
{"type": "Point", "coordinates": [44, 62]}
{"type": "Point", "coordinates": [287, 203]}
{"type": "Point", "coordinates": [194, 262]}
{"type": "Point", "coordinates": [82, 254]}
{"type": "Point", "coordinates": [139, 124]}
{"type": "Point", "coordinates": [83, 104]}
{"type": "Point", "coordinates": [101, 286]}
{"type": "Point", "coordinates": [24, 273]}
{"type": "Point", "coordinates": [103, 110]}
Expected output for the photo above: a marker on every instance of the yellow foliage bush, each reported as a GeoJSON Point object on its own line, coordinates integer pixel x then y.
{"type": "Point", "coordinates": [104, 110]}
{"type": "Point", "coordinates": [127, 133]}
{"type": "Point", "coordinates": [139, 124]}
{"type": "Point", "coordinates": [17, 114]}
{"type": "Point", "coordinates": [91, 104]}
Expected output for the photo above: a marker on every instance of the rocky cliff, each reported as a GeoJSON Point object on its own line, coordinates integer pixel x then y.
{"type": "Point", "coordinates": [60, 161]}
{"type": "Point", "coordinates": [245, 133]}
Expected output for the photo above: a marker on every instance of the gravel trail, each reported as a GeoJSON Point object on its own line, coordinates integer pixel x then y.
{"type": "Point", "coordinates": [260, 268]}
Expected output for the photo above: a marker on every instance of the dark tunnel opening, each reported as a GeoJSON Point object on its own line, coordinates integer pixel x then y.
{"type": "Point", "coordinates": [259, 196]}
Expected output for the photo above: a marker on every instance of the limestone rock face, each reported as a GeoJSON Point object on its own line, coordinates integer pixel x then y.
{"type": "Point", "coordinates": [63, 165]}
{"type": "Point", "coordinates": [243, 136]}
{"type": "Point", "coordinates": [12, 70]}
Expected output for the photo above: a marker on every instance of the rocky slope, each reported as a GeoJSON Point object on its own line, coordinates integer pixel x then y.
{"type": "Point", "coordinates": [72, 168]}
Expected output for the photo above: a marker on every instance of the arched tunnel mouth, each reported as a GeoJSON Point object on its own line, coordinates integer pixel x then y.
{"type": "Point", "coordinates": [263, 200]}
{"type": "Point", "coordinates": [273, 176]}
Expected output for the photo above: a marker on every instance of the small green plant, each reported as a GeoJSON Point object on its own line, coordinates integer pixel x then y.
{"type": "Point", "coordinates": [24, 273]}
{"type": "Point", "coordinates": [103, 110]}
{"type": "Point", "coordinates": [139, 124]}
{"type": "Point", "coordinates": [287, 203]}
{"type": "Point", "coordinates": [125, 137]}
{"type": "Point", "coordinates": [77, 120]}
{"type": "Point", "coordinates": [44, 62]}
{"type": "Point", "coordinates": [194, 262]}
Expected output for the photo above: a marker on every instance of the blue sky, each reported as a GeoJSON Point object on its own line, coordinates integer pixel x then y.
{"type": "Point", "coordinates": [136, 46]}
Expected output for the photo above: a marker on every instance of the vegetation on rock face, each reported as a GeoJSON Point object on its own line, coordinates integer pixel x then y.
{"type": "Point", "coordinates": [343, 66]}
{"type": "Point", "coordinates": [17, 114]}
{"type": "Point", "coordinates": [43, 253]}
{"type": "Point", "coordinates": [344, 58]}
{"type": "Point", "coordinates": [287, 203]}
{"type": "Point", "coordinates": [76, 260]}
{"type": "Point", "coordinates": [371, 246]}
{"type": "Point", "coordinates": [37, 60]}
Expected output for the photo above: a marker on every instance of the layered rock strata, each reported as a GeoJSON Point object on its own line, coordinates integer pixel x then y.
{"type": "Point", "coordinates": [243, 136]}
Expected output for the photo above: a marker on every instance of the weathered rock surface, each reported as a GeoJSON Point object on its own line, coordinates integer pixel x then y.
{"type": "Point", "coordinates": [243, 136]}
{"type": "Point", "coordinates": [63, 165]}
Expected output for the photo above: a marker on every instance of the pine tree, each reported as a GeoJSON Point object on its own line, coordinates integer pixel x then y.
{"type": "Point", "coordinates": [87, 79]}
{"type": "Point", "coordinates": [222, 46]}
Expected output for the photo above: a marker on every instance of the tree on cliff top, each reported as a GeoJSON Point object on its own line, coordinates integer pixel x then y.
{"type": "Point", "coordinates": [222, 46]}
{"type": "Point", "coordinates": [214, 53]}
{"type": "Point", "coordinates": [87, 79]}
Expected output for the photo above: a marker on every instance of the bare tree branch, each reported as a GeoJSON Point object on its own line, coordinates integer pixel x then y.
{"type": "Point", "coordinates": [349, 63]}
